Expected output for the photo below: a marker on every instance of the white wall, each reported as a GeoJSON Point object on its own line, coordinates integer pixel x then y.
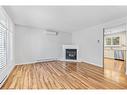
{"type": "Point", "coordinates": [33, 44]}
{"type": "Point", "coordinates": [10, 50]}
{"type": "Point", "coordinates": [89, 49]}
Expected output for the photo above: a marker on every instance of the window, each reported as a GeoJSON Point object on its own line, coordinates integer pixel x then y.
{"type": "Point", "coordinates": [3, 39]}
{"type": "Point", "coordinates": [112, 41]}
{"type": "Point", "coordinates": [108, 41]}
{"type": "Point", "coordinates": [3, 46]}
{"type": "Point", "coordinates": [115, 40]}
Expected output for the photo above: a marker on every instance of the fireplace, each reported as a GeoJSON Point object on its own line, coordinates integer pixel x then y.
{"type": "Point", "coordinates": [71, 54]}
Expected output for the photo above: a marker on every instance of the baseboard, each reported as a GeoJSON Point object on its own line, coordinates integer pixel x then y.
{"type": "Point", "coordinates": [24, 63]}
{"type": "Point", "coordinates": [56, 59]}
{"type": "Point", "coordinates": [47, 60]}
{"type": "Point", "coordinates": [69, 60]}
{"type": "Point", "coordinates": [82, 61]}
{"type": "Point", "coordinates": [43, 60]}
{"type": "Point", "coordinates": [92, 63]}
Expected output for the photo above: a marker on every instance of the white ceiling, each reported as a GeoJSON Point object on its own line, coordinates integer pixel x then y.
{"type": "Point", "coordinates": [64, 18]}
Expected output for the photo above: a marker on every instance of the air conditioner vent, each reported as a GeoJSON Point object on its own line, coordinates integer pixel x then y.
{"type": "Point", "coordinates": [50, 32]}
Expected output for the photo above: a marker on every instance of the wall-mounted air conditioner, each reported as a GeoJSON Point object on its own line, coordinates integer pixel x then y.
{"type": "Point", "coordinates": [50, 32]}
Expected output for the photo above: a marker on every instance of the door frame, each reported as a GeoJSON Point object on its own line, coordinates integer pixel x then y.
{"type": "Point", "coordinates": [126, 49]}
{"type": "Point", "coordinates": [103, 46]}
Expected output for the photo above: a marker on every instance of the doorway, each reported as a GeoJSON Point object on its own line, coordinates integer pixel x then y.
{"type": "Point", "coordinates": [115, 52]}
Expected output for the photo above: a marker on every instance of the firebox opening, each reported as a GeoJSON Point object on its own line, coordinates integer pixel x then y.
{"type": "Point", "coordinates": [71, 54]}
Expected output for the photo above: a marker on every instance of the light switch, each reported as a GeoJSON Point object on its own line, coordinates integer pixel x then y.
{"type": "Point", "coordinates": [98, 41]}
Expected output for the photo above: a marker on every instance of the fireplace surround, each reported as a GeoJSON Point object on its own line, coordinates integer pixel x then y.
{"type": "Point", "coordinates": [70, 52]}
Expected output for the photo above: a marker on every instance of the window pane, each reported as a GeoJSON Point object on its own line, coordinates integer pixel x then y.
{"type": "Point", "coordinates": [115, 40]}
{"type": "Point", "coordinates": [108, 41]}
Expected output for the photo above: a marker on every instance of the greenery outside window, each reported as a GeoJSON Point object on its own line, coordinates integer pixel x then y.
{"type": "Point", "coordinates": [112, 41]}
{"type": "Point", "coordinates": [108, 41]}
{"type": "Point", "coordinates": [115, 40]}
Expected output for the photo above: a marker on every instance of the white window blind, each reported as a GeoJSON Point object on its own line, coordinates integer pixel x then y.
{"type": "Point", "coordinates": [3, 46]}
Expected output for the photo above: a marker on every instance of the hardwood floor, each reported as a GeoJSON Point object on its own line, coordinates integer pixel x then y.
{"type": "Point", "coordinates": [61, 75]}
{"type": "Point", "coordinates": [115, 65]}
{"type": "Point", "coordinates": [115, 69]}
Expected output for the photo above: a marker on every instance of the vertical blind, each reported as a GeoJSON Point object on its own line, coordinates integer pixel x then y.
{"type": "Point", "coordinates": [3, 46]}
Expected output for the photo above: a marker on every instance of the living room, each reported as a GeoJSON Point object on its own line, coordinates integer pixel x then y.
{"type": "Point", "coordinates": [60, 47]}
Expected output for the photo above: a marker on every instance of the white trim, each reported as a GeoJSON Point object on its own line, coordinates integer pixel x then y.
{"type": "Point", "coordinates": [99, 65]}
{"type": "Point", "coordinates": [70, 60]}
{"type": "Point", "coordinates": [25, 63]}
{"type": "Point", "coordinates": [48, 61]}
{"type": "Point", "coordinates": [44, 60]}
{"type": "Point", "coordinates": [84, 61]}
